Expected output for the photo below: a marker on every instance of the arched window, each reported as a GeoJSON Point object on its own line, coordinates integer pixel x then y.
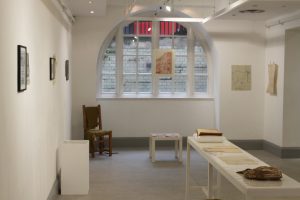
{"type": "Point", "coordinates": [126, 66]}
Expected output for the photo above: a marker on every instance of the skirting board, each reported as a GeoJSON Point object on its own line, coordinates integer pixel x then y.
{"type": "Point", "coordinates": [53, 195]}
{"type": "Point", "coordinates": [143, 142]}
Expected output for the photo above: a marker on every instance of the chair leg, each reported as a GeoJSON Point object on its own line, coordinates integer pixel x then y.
{"type": "Point", "coordinates": [101, 144]}
{"type": "Point", "coordinates": [92, 147]}
{"type": "Point", "coordinates": [110, 143]}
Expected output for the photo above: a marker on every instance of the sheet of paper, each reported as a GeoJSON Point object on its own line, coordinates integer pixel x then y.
{"type": "Point", "coordinates": [241, 77]}
{"type": "Point", "coordinates": [272, 84]}
{"type": "Point", "coordinates": [238, 160]}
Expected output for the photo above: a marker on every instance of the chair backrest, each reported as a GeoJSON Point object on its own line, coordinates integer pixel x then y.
{"type": "Point", "coordinates": [91, 118]}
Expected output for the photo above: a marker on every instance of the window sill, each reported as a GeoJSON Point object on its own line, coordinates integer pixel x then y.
{"type": "Point", "coordinates": [151, 97]}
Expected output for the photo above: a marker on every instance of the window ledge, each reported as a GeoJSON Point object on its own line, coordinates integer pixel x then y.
{"type": "Point", "coordinates": [152, 97]}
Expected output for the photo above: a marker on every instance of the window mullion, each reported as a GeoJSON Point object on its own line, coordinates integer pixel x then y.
{"type": "Point", "coordinates": [119, 62]}
{"type": "Point", "coordinates": [155, 45]}
{"type": "Point", "coordinates": [137, 62]}
{"type": "Point", "coordinates": [173, 47]}
{"type": "Point", "coordinates": [190, 62]}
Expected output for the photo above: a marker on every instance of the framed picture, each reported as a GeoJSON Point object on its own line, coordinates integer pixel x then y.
{"type": "Point", "coordinates": [28, 70]}
{"type": "Point", "coordinates": [164, 62]}
{"type": "Point", "coordinates": [52, 68]}
{"type": "Point", "coordinates": [67, 69]}
{"type": "Point", "coordinates": [22, 68]}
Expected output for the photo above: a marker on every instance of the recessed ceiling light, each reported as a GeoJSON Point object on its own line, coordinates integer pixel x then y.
{"type": "Point", "coordinates": [92, 12]}
{"type": "Point", "coordinates": [252, 11]}
{"type": "Point", "coordinates": [90, 2]}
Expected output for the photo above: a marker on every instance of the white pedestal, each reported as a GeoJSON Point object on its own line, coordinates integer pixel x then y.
{"type": "Point", "coordinates": [75, 167]}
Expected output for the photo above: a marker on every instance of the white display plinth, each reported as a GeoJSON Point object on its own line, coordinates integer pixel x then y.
{"type": "Point", "coordinates": [75, 167]}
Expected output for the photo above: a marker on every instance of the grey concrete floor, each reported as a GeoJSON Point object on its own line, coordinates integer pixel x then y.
{"type": "Point", "coordinates": [130, 175]}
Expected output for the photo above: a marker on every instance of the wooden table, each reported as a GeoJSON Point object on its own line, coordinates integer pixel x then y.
{"type": "Point", "coordinates": [286, 189]}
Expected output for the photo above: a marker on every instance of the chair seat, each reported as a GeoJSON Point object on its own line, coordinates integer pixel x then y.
{"type": "Point", "coordinates": [99, 132]}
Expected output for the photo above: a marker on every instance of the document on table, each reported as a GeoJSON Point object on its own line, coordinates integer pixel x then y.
{"type": "Point", "coordinates": [223, 149]}
{"type": "Point", "coordinates": [238, 160]}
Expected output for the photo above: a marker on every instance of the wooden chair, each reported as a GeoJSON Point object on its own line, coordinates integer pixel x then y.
{"type": "Point", "coordinates": [92, 125]}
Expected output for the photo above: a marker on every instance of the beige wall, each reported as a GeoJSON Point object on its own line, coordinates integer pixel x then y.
{"type": "Point", "coordinates": [238, 114]}
{"type": "Point", "coordinates": [35, 122]}
{"type": "Point", "coordinates": [274, 105]}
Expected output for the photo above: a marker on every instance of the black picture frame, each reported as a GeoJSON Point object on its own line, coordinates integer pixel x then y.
{"type": "Point", "coordinates": [22, 68]}
{"type": "Point", "coordinates": [52, 68]}
{"type": "Point", "coordinates": [67, 63]}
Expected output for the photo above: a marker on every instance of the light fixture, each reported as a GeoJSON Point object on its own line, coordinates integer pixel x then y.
{"type": "Point", "coordinates": [92, 12]}
{"type": "Point", "coordinates": [252, 11]}
{"type": "Point", "coordinates": [90, 2]}
{"type": "Point", "coordinates": [168, 8]}
{"type": "Point", "coordinates": [149, 29]}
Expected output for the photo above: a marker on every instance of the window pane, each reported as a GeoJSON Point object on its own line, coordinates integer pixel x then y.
{"type": "Point", "coordinates": [145, 28]}
{"type": "Point", "coordinates": [181, 65]}
{"type": "Point", "coordinates": [129, 64]}
{"type": "Point", "coordinates": [130, 42]}
{"type": "Point", "coordinates": [145, 64]}
{"type": "Point", "coordinates": [109, 64]}
{"type": "Point", "coordinates": [130, 29]}
{"type": "Point", "coordinates": [165, 85]}
{"type": "Point", "coordinates": [201, 83]}
{"type": "Point", "coordinates": [144, 46]}
{"type": "Point", "coordinates": [180, 46]}
{"type": "Point", "coordinates": [166, 28]}
{"type": "Point", "coordinates": [108, 83]}
{"type": "Point", "coordinates": [179, 29]}
{"type": "Point", "coordinates": [129, 83]}
{"type": "Point", "coordinates": [145, 83]}
{"type": "Point", "coordinates": [165, 43]}
{"type": "Point", "coordinates": [180, 83]}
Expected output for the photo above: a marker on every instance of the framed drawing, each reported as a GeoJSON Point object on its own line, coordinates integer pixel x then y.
{"type": "Point", "coordinates": [241, 77]}
{"type": "Point", "coordinates": [27, 70]}
{"type": "Point", "coordinates": [52, 68]}
{"type": "Point", "coordinates": [22, 68]}
{"type": "Point", "coordinates": [272, 84]}
{"type": "Point", "coordinates": [164, 62]}
{"type": "Point", "coordinates": [67, 69]}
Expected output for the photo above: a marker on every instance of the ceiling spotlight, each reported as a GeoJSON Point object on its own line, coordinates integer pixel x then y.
{"type": "Point", "coordinates": [90, 2]}
{"type": "Point", "coordinates": [168, 8]}
{"type": "Point", "coordinates": [92, 12]}
{"type": "Point", "coordinates": [149, 29]}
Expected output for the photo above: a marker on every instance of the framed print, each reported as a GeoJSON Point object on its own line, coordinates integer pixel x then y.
{"type": "Point", "coordinates": [164, 62]}
{"type": "Point", "coordinates": [27, 70]}
{"type": "Point", "coordinates": [67, 69]}
{"type": "Point", "coordinates": [22, 68]}
{"type": "Point", "coordinates": [241, 77]}
{"type": "Point", "coordinates": [52, 68]}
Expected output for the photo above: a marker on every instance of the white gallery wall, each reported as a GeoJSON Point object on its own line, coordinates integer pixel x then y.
{"type": "Point", "coordinates": [33, 123]}
{"type": "Point", "coordinates": [240, 114]}
{"type": "Point", "coordinates": [275, 126]}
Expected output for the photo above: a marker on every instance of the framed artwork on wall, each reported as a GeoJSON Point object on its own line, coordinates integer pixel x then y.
{"type": "Point", "coordinates": [52, 68]}
{"type": "Point", "coordinates": [67, 69]}
{"type": "Point", "coordinates": [164, 62]}
{"type": "Point", "coordinates": [22, 68]}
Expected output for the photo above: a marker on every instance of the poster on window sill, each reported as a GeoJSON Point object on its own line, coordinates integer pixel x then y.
{"type": "Point", "coordinates": [164, 62]}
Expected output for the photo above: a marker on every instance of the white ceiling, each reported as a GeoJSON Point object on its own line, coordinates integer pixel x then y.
{"type": "Point", "coordinates": [273, 8]}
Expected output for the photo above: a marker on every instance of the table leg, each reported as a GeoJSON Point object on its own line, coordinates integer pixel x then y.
{"type": "Point", "coordinates": [187, 173]}
{"type": "Point", "coordinates": [210, 181]}
{"type": "Point", "coordinates": [180, 149]}
{"type": "Point", "coordinates": [153, 149]}
{"type": "Point", "coordinates": [219, 178]}
{"type": "Point", "coordinates": [176, 148]}
{"type": "Point", "coordinates": [150, 149]}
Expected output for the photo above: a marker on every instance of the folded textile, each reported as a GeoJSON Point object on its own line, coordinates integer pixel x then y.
{"type": "Point", "coordinates": [208, 132]}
